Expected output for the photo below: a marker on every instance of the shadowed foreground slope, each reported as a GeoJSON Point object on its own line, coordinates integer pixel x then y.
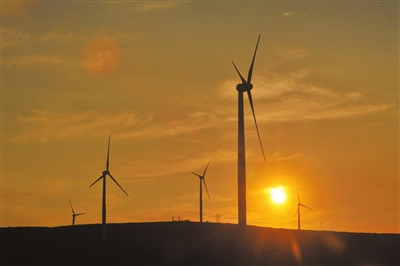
{"type": "Point", "coordinates": [188, 243]}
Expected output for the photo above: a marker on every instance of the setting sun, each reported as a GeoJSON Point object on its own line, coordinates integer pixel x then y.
{"type": "Point", "coordinates": [278, 195]}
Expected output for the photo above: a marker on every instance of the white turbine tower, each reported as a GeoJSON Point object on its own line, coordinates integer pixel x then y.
{"type": "Point", "coordinates": [104, 177]}
{"type": "Point", "coordinates": [245, 86]}
{"type": "Point", "coordinates": [202, 180]}
{"type": "Point", "coordinates": [74, 214]}
{"type": "Point", "coordinates": [298, 209]}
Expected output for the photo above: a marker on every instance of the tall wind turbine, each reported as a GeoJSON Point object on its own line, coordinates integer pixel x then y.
{"type": "Point", "coordinates": [104, 177]}
{"type": "Point", "coordinates": [202, 180]}
{"type": "Point", "coordinates": [298, 209]}
{"type": "Point", "coordinates": [245, 86]}
{"type": "Point", "coordinates": [74, 214]}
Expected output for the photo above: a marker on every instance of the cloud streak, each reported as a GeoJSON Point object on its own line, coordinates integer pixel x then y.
{"type": "Point", "coordinates": [45, 125]}
{"type": "Point", "coordinates": [278, 99]}
{"type": "Point", "coordinates": [36, 60]}
{"type": "Point", "coordinates": [287, 14]}
{"type": "Point", "coordinates": [151, 6]}
{"type": "Point", "coordinates": [293, 53]}
{"type": "Point", "coordinates": [282, 99]}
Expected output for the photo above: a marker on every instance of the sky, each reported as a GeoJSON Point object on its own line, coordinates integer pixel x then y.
{"type": "Point", "coordinates": [157, 76]}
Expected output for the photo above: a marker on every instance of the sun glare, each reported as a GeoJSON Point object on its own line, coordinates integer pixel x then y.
{"type": "Point", "coordinates": [278, 195]}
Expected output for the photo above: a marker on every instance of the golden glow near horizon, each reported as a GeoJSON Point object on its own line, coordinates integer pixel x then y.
{"type": "Point", "coordinates": [158, 77]}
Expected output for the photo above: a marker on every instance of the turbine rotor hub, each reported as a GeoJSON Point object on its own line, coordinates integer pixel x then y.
{"type": "Point", "coordinates": [244, 87]}
{"type": "Point", "coordinates": [106, 172]}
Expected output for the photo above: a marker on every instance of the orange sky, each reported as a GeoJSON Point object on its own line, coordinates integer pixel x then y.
{"type": "Point", "coordinates": [158, 78]}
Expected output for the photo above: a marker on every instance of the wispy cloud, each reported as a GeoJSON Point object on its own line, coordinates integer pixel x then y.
{"type": "Point", "coordinates": [34, 59]}
{"type": "Point", "coordinates": [288, 13]}
{"type": "Point", "coordinates": [46, 125]}
{"type": "Point", "coordinates": [293, 53]}
{"type": "Point", "coordinates": [144, 167]}
{"type": "Point", "coordinates": [289, 98]}
{"type": "Point", "coordinates": [279, 157]}
{"type": "Point", "coordinates": [56, 36]}
{"type": "Point", "coordinates": [156, 5]}
{"type": "Point", "coordinates": [12, 37]}
{"type": "Point", "coordinates": [278, 98]}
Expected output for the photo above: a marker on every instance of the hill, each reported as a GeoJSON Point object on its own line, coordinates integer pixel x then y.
{"type": "Point", "coordinates": [189, 243]}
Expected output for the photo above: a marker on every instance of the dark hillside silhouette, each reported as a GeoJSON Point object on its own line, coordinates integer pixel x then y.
{"type": "Point", "coordinates": [188, 243]}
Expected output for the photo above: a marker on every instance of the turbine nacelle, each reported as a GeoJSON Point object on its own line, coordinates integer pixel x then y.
{"type": "Point", "coordinates": [244, 87]}
{"type": "Point", "coordinates": [106, 172]}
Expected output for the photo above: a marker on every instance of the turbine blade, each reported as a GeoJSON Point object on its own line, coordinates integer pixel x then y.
{"type": "Point", "coordinates": [71, 206]}
{"type": "Point", "coordinates": [296, 211]}
{"type": "Point", "coordinates": [108, 153]}
{"type": "Point", "coordinates": [241, 77]}
{"type": "Point", "coordinates": [255, 121]}
{"type": "Point", "coordinates": [97, 180]}
{"type": "Point", "coordinates": [204, 181]}
{"type": "Point", "coordinates": [80, 213]}
{"type": "Point", "coordinates": [252, 62]}
{"type": "Point", "coordinates": [118, 184]}
{"type": "Point", "coordinates": [205, 170]}
{"type": "Point", "coordinates": [197, 175]}
{"type": "Point", "coordinates": [305, 206]}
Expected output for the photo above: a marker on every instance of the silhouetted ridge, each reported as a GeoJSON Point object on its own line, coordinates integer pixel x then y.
{"type": "Point", "coordinates": [190, 243]}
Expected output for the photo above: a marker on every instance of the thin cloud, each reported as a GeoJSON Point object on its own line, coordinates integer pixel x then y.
{"type": "Point", "coordinates": [293, 53]}
{"type": "Point", "coordinates": [144, 167]}
{"type": "Point", "coordinates": [48, 125]}
{"type": "Point", "coordinates": [279, 157]}
{"type": "Point", "coordinates": [289, 98]}
{"type": "Point", "coordinates": [11, 37]}
{"type": "Point", "coordinates": [195, 196]}
{"type": "Point", "coordinates": [150, 6]}
{"type": "Point", "coordinates": [288, 14]}
{"type": "Point", "coordinates": [45, 125]}
{"type": "Point", "coordinates": [33, 59]}
{"type": "Point", "coordinates": [56, 36]}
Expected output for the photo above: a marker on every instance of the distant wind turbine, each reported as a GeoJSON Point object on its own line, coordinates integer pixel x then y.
{"type": "Point", "coordinates": [298, 209]}
{"type": "Point", "coordinates": [245, 86]}
{"type": "Point", "coordinates": [202, 180]}
{"type": "Point", "coordinates": [104, 177]}
{"type": "Point", "coordinates": [74, 214]}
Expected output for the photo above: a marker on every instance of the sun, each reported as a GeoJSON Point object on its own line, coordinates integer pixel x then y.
{"type": "Point", "coordinates": [278, 195]}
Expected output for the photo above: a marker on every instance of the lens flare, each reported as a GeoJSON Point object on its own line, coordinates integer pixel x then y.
{"type": "Point", "coordinates": [101, 56]}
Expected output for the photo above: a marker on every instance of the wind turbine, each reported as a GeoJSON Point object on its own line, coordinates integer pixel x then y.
{"type": "Point", "coordinates": [245, 86]}
{"type": "Point", "coordinates": [74, 214]}
{"type": "Point", "coordinates": [104, 177]}
{"type": "Point", "coordinates": [298, 209]}
{"type": "Point", "coordinates": [202, 180]}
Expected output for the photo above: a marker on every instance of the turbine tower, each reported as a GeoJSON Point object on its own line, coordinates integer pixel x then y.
{"type": "Point", "coordinates": [74, 214]}
{"type": "Point", "coordinates": [202, 180]}
{"type": "Point", "coordinates": [245, 86]}
{"type": "Point", "coordinates": [104, 177]}
{"type": "Point", "coordinates": [298, 209]}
